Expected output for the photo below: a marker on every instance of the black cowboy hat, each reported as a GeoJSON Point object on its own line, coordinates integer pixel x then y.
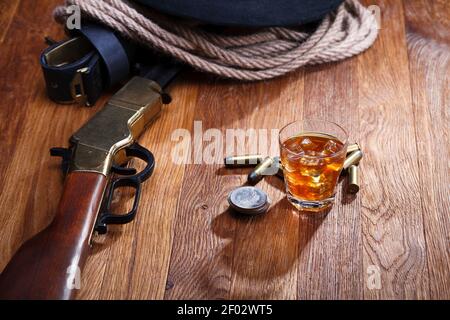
{"type": "Point", "coordinates": [248, 13]}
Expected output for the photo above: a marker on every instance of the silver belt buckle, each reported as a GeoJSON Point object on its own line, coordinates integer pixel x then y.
{"type": "Point", "coordinates": [77, 87]}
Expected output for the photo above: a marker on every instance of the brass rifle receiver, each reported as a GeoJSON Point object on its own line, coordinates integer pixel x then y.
{"type": "Point", "coordinates": [101, 142]}
{"type": "Point", "coordinates": [107, 141]}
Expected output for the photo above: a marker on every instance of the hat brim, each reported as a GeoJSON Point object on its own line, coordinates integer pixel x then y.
{"type": "Point", "coordinates": [247, 13]}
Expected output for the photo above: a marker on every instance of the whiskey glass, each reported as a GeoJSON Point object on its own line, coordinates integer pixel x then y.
{"type": "Point", "coordinates": [312, 156]}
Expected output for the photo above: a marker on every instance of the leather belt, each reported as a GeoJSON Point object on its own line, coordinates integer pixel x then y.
{"type": "Point", "coordinates": [79, 69]}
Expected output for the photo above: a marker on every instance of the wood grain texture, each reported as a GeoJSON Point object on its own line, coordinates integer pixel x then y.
{"type": "Point", "coordinates": [428, 38]}
{"type": "Point", "coordinates": [185, 242]}
{"type": "Point", "coordinates": [216, 254]}
{"type": "Point", "coordinates": [30, 182]}
{"type": "Point", "coordinates": [392, 221]}
{"type": "Point", "coordinates": [7, 12]}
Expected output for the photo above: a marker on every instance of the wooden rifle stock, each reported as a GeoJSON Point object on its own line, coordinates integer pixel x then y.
{"type": "Point", "coordinates": [44, 267]}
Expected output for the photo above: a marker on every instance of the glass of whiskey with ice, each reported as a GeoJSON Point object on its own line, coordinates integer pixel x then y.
{"type": "Point", "coordinates": [312, 157]}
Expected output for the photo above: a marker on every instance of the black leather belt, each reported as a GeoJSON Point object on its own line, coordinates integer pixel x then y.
{"type": "Point", "coordinates": [79, 69]}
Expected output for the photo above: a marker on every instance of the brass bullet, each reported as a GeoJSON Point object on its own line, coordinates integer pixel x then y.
{"type": "Point", "coordinates": [353, 179]}
{"type": "Point", "coordinates": [243, 161]}
{"type": "Point", "coordinates": [261, 170]}
{"type": "Point", "coordinates": [353, 159]}
{"type": "Point", "coordinates": [353, 147]}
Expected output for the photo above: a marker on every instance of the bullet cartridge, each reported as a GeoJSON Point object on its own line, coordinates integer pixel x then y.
{"type": "Point", "coordinates": [353, 179]}
{"type": "Point", "coordinates": [353, 147]}
{"type": "Point", "coordinates": [264, 168]}
{"type": "Point", "coordinates": [353, 159]}
{"type": "Point", "coordinates": [243, 161]}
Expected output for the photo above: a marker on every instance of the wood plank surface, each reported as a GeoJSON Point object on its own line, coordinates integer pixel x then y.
{"type": "Point", "coordinates": [392, 221]}
{"type": "Point", "coordinates": [7, 12]}
{"type": "Point", "coordinates": [185, 243]}
{"type": "Point", "coordinates": [428, 38]}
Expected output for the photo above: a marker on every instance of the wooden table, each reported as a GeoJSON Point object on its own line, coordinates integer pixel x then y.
{"type": "Point", "coordinates": [394, 100]}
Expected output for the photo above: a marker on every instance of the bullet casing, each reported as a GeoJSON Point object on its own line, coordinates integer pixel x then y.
{"type": "Point", "coordinates": [260, 171]}
{"type": "Point", "coordinates": [243, 161]}
{"type": "Point", "coordinates": [353, 147]}
{"type": "Point", "coordinates": [353, 179]}
{"type": "Point", "coordinates": [353, 159]}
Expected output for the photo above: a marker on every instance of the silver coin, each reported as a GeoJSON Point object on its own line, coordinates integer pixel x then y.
{"type": "Point", "coordinates": [249, 200]}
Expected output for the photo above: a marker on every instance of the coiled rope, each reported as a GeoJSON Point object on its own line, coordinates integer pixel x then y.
{"type": "Point", "coordinates": [264, 54]}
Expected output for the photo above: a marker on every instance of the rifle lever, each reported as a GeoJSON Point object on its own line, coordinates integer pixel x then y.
{"type": "Point", "coordinates": [134, 181]}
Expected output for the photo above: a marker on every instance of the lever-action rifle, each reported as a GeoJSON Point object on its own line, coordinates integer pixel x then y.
{"type": "Point", "coordinates": [45, 266]}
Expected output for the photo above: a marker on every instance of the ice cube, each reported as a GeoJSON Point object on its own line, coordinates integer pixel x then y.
{"type": "Point", "coordinates": [306, 143]}
{"type": "Point", "coordinates": [310, 162]}
{"type": "Point", "coordinates": [312, 153]}
{"type": "Point", "coordinates": [296, 148]}
{"type": "Point", "coordinates": [330, 148]}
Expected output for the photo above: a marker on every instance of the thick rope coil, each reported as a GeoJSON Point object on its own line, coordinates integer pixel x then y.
{"type": "Point", "coordinates": [263, 54]}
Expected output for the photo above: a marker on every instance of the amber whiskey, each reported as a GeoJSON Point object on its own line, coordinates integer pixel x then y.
{"type": "Point", "coordinates": [312, 163]}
